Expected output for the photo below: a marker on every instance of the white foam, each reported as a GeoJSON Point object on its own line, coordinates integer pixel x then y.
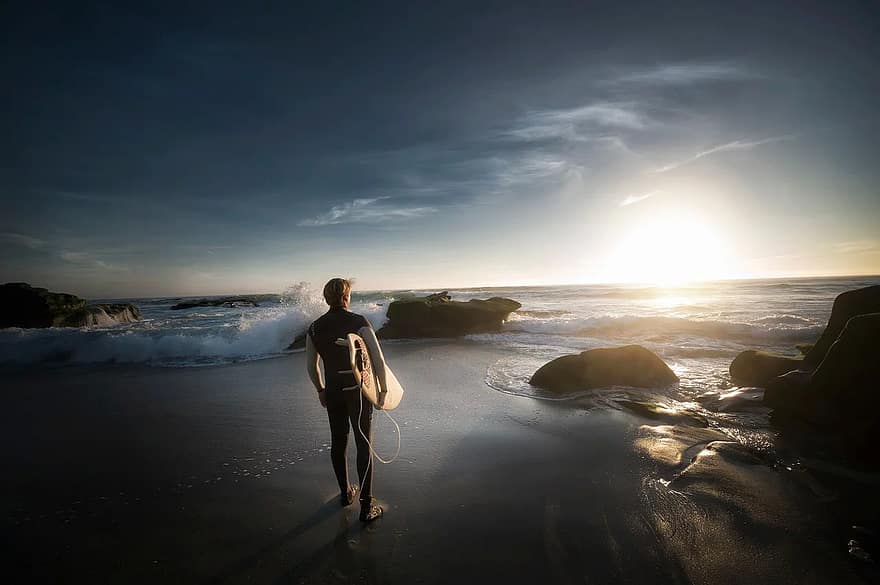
{"type": "Point", "coordinates": [247, 334]}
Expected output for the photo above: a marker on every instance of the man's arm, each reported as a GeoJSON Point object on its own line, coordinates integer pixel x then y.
{"type": "Point", "coordinates": [314, 369]}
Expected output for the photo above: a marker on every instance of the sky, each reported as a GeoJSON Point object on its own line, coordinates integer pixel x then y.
{"type": "Point", "coordinates": [209, 148]}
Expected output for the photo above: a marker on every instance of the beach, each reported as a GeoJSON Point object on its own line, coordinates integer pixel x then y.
{"type": "Point", "coordinates": [221, 474]}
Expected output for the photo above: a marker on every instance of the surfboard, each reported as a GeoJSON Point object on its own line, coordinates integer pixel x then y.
{"type": "Point", "coordinates": [363, 357]}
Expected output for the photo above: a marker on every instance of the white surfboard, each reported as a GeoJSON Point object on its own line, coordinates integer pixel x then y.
{"type": "Point", "coordinates": [363, 358]}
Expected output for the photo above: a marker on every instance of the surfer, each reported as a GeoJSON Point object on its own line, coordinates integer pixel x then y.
{"type": "Point", "coordinates": [345, 408]}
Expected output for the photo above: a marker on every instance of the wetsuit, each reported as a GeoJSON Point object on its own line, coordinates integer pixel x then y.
{"type": "Point", "coordinates": [343, 405]}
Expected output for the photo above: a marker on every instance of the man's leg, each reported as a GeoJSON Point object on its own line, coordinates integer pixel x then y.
{"type": "Point", "coordinates": [363, 428]}
{"type": "Point", "coordinates": [338, 414]}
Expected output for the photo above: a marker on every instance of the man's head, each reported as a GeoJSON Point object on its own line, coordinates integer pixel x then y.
{"type": "Point", "coordinates": [337, 292]}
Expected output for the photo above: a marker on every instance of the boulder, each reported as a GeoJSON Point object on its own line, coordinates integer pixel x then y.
{"type": "Point", "coordinates": [846, 306]}
{"type": "Point", "coordinates": [631, 365]}
{"type": "Point", "coordinates": [299, 342]}
{"type": "Point", "coordinates": [852, 363]}
{"type": "Point", "coordinates": [103, 315]}
{"type": "Point", "coordinates": [836, 407]}
{"type": "Point", "coordinates": [237, 301]}
{"type": "Point", "coordinates": [785, 393]}
{"type": "Point", "coordinates": [844, 384]}
{"type": "Point", "coordinates": [439, 316]}
{"type": "Point", "coordinates": [758, 368]}
{"type": "Point", "coordinates": [22, 305]}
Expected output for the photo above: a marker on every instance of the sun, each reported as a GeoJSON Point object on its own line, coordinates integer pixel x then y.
{"type": "Point", "coordinates": [670, 250]}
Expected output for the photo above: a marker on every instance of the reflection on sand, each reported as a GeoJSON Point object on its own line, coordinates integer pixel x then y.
{"type": "Point", "coordinates": [668, 444]}
{"type": "Point", "coordinates": [727, 509]}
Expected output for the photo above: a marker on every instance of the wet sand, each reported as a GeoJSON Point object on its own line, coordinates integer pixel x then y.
{"type": "Point", "coordinates": [222, 475]}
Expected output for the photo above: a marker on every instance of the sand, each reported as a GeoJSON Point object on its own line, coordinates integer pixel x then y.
{"type": "Point", "coordinates": [130, 474]}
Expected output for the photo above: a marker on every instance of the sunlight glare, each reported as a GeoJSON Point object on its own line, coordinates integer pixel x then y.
{"type": "Point", "coordinates": [669, 251]}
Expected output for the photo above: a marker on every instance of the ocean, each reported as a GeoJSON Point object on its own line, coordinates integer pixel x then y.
{"type": "Point", "coordinates": [697, 329]}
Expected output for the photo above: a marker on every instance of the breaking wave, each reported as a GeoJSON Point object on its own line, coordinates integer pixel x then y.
{"type": "Point", "coordinates": [182, 338]}
{"type": "Point", "coordinates": [775, 329]}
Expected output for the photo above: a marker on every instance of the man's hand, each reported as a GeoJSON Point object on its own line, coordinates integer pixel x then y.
{"type": "Point", "coordinates": [323, 398]}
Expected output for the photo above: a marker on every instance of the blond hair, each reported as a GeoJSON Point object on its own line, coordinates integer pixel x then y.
{"type": "Point", "coordinates": [336, 290]}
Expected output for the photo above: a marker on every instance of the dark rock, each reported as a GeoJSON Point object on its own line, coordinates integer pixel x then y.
{"type": "Point", "coordinates": [439, 316]}
{"type": "Point", "coordinates": [238, 301]}
{"type": "Point", "coordinates": [299, 342]}
{"type": "Point", "coordinates": [443, 297]}
{"type": "Point", "coordinates": [758, 368]}
{"type": "Point", "coordinates": [848, 357]}
{"type": "Point", "coordinates": [631, 365]}
{"type": "Point", "coordinates": [786, 392]}
{"type": "Point", "coordinates": [22, 305]}
{"type": "Point", "coordinates": [846, 306]}
{"type": "Point", "coordinates": [840, 395]}
{"type": "Point", "coordinates": [852, 363]}
{"type": "Point", "coordinates": [832, 403]}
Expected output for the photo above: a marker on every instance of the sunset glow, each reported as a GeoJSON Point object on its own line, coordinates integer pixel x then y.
{"type": "Point", "coordinates": [670, 250]}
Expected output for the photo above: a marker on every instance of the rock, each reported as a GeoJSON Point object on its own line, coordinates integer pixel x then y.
{"type": "Point", "coordinates": [755, 368]}
{"type": "Point", "coordinates": [852, 364]}
{"type": "Point", "coordinates": [103, 315]}
{"type": "Point", "coordinates": [839, 398]}
{"type": "Point", "coordinates": [631, 365]}
{"type": "Point", "coordinates": [22, 305]}
{"type": "Point", "coordinates": [439, 316]}
{"type": "Point", "coordinates": [786, 392]}
{"type": "Point", "coordinates": [299, 342]}
{"type": "Point", "coordinates": [443, 297]}
{"type": "Point", "coordinates": [758, 368]}
{"type": "Point", "coordinates": [846, 306]}
{"type": "Point", "coordinates": [238, 301]}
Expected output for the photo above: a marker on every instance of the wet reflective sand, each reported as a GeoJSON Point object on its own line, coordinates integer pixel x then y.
{"type": "Point", "coordinates": [222, 475]}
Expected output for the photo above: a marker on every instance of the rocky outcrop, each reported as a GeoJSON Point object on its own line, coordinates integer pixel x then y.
{"type": "Point", "coordinates": [843, 387]}
{"type": "Point", "coordinates": [833, 397]}
{"type": "Point", "coordinates": [103, 315]}
{"type": "Point", "coordinates": [758, 368]}
{"type": "Point", "coordinates": [238, 301]}
{"type": "Point", "coordinates": [299, 342]}
{"type": "Point", "coordinates": [846, 306]}
{"type": "Point", "coordinates": [22, 305]}
{"type": "Point", "coordinates": [438, 315]}
{"type": "Point", "coordinates": [631, 365]}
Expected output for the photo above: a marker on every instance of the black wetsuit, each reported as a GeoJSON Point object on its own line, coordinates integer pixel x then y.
{"type": "Point", "coordinates": [343, 406]}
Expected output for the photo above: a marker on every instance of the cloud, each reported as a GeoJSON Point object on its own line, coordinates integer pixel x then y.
{"type": "Point", "coordinates": [630, 199]}
{"type": "Point", "coordinates": [528, 168]}
{"type": "Point", "coordinates": [572, 123]}
{"type": "Point", "coordinates": [86, 260]}
{"type": "Point", "coordinates": [858, 247]}
{"type": "Point", "coordinates": [366, 210]}
{"type": "Point", "coordinates": [23, 240]}
{"type": "Point", "coordinates": [686, 73]}
{"type": "Point", "coordinates": [735, 145]}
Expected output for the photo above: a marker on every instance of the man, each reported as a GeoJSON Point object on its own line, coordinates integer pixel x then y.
{"type": "Point", "coordinates": [343, 406]}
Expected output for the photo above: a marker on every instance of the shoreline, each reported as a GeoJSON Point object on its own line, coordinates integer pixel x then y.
{"type": "Point", "coordinates": [221, 474]}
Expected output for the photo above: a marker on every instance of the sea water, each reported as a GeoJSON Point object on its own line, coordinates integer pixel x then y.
{"type": "Point", "coordinates": [696, 328]}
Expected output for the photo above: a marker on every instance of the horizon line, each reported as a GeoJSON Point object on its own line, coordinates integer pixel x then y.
{"type": "Point", "coordinates": [633, 283]}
